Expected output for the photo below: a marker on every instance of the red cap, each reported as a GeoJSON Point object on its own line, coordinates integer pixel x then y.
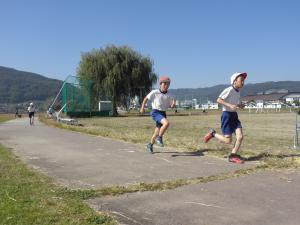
{"type": "Point", "coordinates": [164, 79]}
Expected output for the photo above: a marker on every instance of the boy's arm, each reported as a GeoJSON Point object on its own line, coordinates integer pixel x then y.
{"type": "Point", "coordinates": [231, 106]}
{"type": "Point", "coordinates": [142, 110]}
{"type": "Point", "coordinates": [173, 103]}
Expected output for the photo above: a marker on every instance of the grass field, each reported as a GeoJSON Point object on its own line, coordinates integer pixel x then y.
{"type": "Point", "coordinates": [264, 133]}
{"type": "Point", "coordinates": [5, 117]}
{"type": "Point", "coordinates": [28, 197]}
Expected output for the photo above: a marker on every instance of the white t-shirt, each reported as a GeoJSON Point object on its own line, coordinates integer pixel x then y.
{"type": "Point", "coordinates": [31, 109]}
{"type": "Point", "coordinates": [230, 95]}
{"type": "Point", "coordinates": [160, 101]}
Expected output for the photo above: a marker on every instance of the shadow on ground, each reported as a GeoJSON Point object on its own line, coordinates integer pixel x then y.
{"type": "Point", "coordinates": [176, 154]}
{"type": "Point", "coordinates": [223, 154]}
{"type": "Point", "coordinates": [265, 155]}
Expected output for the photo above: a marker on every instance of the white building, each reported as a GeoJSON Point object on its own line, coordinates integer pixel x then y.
{"type": "Point", "coordinates": [292, 97]}
{"type": "Point", "coordinates": [210, 106]}
{"type": "Point", "coordinates": [270, 101]}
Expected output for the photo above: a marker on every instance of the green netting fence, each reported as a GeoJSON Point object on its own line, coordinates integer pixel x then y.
{"type": "Point", "coordinates": [78, 98]}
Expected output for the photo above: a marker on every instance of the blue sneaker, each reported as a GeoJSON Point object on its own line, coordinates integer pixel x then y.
{"type": "Point", "coordinates": [159, 141]}
{"type": "Point", "coordinates": [150, 148]}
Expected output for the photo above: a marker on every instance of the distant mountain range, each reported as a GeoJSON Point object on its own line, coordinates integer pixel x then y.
{"type": "Point", "coordinates": [19, 86]}
{"type": "Point", "coordinates": [212, 93]}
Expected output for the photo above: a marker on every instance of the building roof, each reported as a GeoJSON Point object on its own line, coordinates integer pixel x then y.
{"type": "Point", "coordinates": [292, 95]}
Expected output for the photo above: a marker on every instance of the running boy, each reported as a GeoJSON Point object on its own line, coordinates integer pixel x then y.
{"type": "Point", "coordinates": [230, 101]}
{"type": "Point", "coordinates": [161, 101]}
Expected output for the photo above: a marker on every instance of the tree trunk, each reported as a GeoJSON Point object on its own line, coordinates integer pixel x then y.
{"type": "Point", "coordinates": [114, 100]}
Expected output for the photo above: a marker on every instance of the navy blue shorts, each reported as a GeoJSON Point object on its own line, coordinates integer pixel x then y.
{"type": "Point", "coordinates": [157, 116]}
{"type": "Point", "coordinates": [230, 122]}
{"type": "Point", "coordinates": [31, 114]}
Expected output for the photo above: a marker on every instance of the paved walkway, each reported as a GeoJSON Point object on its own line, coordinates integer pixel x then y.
{"type": "Point", "coordinates": [84, 161]}
{"type": "Point", "coordinates": [268, 198]}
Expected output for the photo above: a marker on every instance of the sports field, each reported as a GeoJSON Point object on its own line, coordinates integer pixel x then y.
{"type": "Point", "coordinates": [32, 197]}
{"type": "Point", "coordinates": [29, 197]}
{"type": "Point", "coordinates": [270, 133]}
{"type": "Point", "coordinates": [5, 117]}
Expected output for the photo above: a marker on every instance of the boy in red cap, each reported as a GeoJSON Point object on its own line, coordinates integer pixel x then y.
{"type": "Point", "coordinates": [230, 123]}
{"type": "Point", "coordinates": [161, 101]}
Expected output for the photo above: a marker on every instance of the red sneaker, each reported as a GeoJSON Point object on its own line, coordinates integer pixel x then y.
{"type": "Point", "coordinates": [235, 159]}
{"type": "Point", "coordinates": [209, 135]}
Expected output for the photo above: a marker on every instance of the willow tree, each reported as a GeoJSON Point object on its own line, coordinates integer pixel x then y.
{"type": "Point", "coordinates": [117, 74]}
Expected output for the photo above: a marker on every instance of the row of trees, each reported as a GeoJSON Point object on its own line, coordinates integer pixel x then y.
{"type": "Point", "coordinates": [117, 74]}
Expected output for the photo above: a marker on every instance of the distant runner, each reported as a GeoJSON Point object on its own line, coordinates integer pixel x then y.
{"type": "Point", "coordinates": [31, 110]}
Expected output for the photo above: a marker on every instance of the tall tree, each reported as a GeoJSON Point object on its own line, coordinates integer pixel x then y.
{"type": "Point", "coordinates": [117, 74]}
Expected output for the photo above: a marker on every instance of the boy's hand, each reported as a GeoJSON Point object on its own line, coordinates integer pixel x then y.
{"type": "Point", "coordinates": [233, 107]}
{"type": "Point", "coordinates": [173, 103]}
{"type": "Point", "coordinates": [142, 110]}
{"type": "Point", "coordinates": [241, 105]}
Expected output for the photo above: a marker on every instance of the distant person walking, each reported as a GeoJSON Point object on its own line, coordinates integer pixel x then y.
{"type": "Point", "coordinates": [17, 112]}
{"type": "Point", "coordinates": [161, 101]}
{"type": "Point", "coordinates": [230, 123]}
{"type": "Point", "coordinates": [31, 111]}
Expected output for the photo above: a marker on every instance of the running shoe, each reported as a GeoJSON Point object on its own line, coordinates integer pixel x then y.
{"type": "Point", "coordinates": [209, 135]}
{"type": "Point", "coordinates": [235, 158]}
{"type": "Point", "coordinates": [159, 141]}
{"type": "Point", "coordinates": [150, 148]}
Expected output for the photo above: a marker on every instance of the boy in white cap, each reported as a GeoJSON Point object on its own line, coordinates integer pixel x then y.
{"type": "Point", "coordinates": [230, 123]}
{"type": "Point", "coordinates": [161, 101]}
{"type": "Point", "coordinates": [31, 110]}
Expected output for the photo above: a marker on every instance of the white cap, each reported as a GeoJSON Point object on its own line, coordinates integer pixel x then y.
{"type": "Point", "coordinates": [31, 103]}
{"type": "Point", "coordinates": [236, 75]}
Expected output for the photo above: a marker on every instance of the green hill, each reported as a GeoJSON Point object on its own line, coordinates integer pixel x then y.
{"type": "Point", "coordinates": [19, 86]}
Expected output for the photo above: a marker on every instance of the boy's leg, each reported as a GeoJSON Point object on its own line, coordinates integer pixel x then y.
{"type": "Point", "coordinates": [226, 130]}
{"type": "Point", "coordinates": [226, 127]}
{"type": "Point", "coordinates": [227, 139]}
{"type": "Point", "coordinates": [155, 134]}
{"type": "Point", "coordinates": [223, 138]}
{"type": "Point", "coordinates": [234, 157]}
{"type": "Point", "coordinates": [165, 124]}
{"type": "Point", "coordinates": [161, 124]}
{"type": "Point", "coordinates": [239, 139]}
{"type": "Point", "coordinates": [150, 145]}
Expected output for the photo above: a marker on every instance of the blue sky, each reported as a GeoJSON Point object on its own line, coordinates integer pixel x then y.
{"type": "Point", "coordinates": [198, 43]}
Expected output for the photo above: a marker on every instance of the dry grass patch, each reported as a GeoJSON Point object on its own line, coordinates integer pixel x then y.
{"type": "Point", "coordinates": [268, 139]}
{"type": "Point", "coordinates": [269, 133]}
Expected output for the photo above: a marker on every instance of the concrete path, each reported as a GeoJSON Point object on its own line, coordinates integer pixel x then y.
{"type": "Point", "coordinates": [83, 161]}
{"type": "Point", "coordinates": [268, 198]}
